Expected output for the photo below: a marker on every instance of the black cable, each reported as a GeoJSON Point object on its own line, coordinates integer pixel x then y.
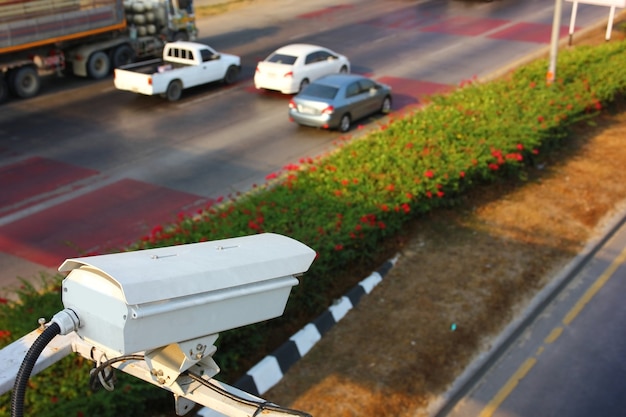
{"type": "Point", "coordinates": [93, 374]}
{"type": "Point", "coordinates": [261, 405]}
{"type": "Point", "coordinates": [26, 368]}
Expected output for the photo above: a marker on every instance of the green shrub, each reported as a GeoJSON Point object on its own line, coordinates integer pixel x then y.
{"type": "Point", "coordinates": [346, 204]}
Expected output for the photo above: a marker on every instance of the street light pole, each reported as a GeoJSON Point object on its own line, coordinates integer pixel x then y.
{"type": "Point", "coordinates": [554, 42]}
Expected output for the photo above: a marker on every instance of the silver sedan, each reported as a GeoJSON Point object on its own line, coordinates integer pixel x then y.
{"type": "Point", "coordinates": [335, 101]}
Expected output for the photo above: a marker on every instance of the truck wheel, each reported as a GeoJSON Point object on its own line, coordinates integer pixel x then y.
{"type": "Point", "coordinates": [181, 36]}
{"type": "Point", "coordinates": [122, 55]}
{"type": "Point", "coordinates": [231, 75]}
{"type": "Point", "coordinates": [98, 65]}
{"type": "Point", "coordinates": [24, 82]}
{"type": "Point", "coordinates": [4, 89]}
{"type": "Point", "coordinates": [174, 90]}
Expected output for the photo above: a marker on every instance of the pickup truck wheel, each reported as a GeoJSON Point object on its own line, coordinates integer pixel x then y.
{"type": "Point", "coordinates": [122, 55]}
{"type": "Point", "coordinates": [174, 90]}
{"type": "Point", "coordinates": [98, 65]}
{"type": "Point", "coordinates": [24, 82]}
{"type": "Point", "coordinates": [231, 75]}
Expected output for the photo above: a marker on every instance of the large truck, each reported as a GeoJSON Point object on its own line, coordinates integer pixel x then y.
{"type": "Point", "coordinates": [87, 38]}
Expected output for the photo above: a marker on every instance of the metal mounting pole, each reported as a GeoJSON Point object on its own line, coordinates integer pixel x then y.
{"type": "Point", "coordinates": [554, 42]}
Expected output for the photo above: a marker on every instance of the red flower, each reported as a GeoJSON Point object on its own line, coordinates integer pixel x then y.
{"type": "Point", "coordinates": [540, 119]}
{"type": "Point", "coordinates": [3, 301]}
{"type": "Point", "coordinates": [338, 246]}
{"type": "Point", "coordinates": [520, 147]}
{"type": "Point", "coordinates": [391, 187]}
{"type": "Point", "coordinates": [345, 182]}
{"type": "Point", "coordinates": [494, 167]}
{"type": "Point", "coordinates": [271, 176]}
{"type": "Point", "coordinates": [381, 225]}
{"type": "Point", "coordinates": [440, 194]}
{"type": "Point", "coordinates": [428, 174]}
{"type": "Point", "coordinates": [462, 174]}
{"type": "Point", "coordinates": [384, 207]}
{"type": "Point", "coordinates": [4, 334]}
{"type": "Point", "coordinates": [291, 167]}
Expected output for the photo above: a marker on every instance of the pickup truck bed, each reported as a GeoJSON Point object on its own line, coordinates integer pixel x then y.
{"type": "Point", "coordinates": [154, 66]}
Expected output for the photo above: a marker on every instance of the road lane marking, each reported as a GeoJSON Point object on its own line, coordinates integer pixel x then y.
{"type": "Point", "coordinates": [591, 292]}
{"type": "Point", "coordinates": [510, 385]}
{"type": "Point", "coordinates": [554, 334]}
{"type": "Point", "coordinates": [523, 370]}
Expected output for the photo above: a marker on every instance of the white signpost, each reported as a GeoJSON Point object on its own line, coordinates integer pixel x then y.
{"type": "Point", "coordinates": [608, 3]}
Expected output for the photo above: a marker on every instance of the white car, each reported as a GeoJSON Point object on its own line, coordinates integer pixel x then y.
{"type": "Point", "coordinates": [291, 68]}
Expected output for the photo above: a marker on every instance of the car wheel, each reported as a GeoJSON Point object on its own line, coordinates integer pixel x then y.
{"type": "Point", "coordinates": [345, 123]}
{"type": "Point", "coordinates": [303, 84]}
{"type": "Point", "coordinates": [122, 55]}
{"type": "Point", "coordinates": [343, 70]}
{"type": "Point", "coordinates": [24, 82]}
{"type": "Point", "coordinates": [386, 106]}
{"type": "Point", "coordinates": [231, 75]}
{"type": "Point", "coordinates": [174, 90]}
{"type": "Point", "coordinates": [98, 65]}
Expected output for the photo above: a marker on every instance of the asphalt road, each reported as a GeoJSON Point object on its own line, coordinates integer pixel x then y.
{"type": "Point", "coordinates": [569, 359]}
{"type": "Point", "coordinates": [85, 168]}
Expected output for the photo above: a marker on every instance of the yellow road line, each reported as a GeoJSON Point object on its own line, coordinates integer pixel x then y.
{"type": "Point", "coordinates": [554, 334]}
{"type": "Point", "coordinates": [591, 292]}
{"type": "Point", "coordinates": [510, 385]}
{"type": "Point", "coordinates": [521, 372]}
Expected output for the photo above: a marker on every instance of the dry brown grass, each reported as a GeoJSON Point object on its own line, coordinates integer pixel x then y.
{"type": "Point", "coordinates": [475, 266]}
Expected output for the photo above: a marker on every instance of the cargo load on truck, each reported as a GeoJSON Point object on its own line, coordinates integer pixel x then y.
{"type": "Point", "coordinates": [87, 38]}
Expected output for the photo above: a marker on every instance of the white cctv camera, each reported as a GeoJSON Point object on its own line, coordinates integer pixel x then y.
{"type": "Point", "coordinates": [156, 314]}
{"type": "Point", "coordinates": [149, 299]}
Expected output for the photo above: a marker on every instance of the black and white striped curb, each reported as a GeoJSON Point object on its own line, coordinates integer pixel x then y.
{"type": "Point", "coordinates": [271, 369]}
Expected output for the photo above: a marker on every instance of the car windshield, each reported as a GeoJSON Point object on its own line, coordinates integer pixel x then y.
{"type": "Point", "coordinates": [320, 91]}
{"type": "Point", "coordinates": [282, 59]}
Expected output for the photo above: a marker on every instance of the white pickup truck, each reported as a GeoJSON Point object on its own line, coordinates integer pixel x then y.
{"type": "Point", "coordinates": [184, 65]}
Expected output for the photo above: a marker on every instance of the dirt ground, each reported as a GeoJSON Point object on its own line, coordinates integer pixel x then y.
{"type": "Point", "coordinates": [470, 269]}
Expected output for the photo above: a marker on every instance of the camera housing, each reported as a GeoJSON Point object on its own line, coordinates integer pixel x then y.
{"type": "Point", "coordinates": [148, 299]}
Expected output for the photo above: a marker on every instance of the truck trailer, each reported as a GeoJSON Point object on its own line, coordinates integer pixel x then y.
{"type": "Point", "coordinates": [87, 38]}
